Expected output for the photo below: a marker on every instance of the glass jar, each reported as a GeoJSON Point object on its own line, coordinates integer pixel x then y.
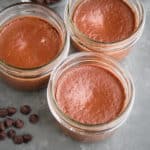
{"type": "Point", "coordinates": [85, 132]}
{"type": "Point", "coordinates": [30, 79]}
{"type": "Point", "coordinates": [116, 49]}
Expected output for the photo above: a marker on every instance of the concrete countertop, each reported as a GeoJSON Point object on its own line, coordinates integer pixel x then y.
{"type": "Point", "coordinates": [133, 135]}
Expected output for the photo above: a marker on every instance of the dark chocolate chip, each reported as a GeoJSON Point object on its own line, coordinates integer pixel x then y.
{"type": "Point", "coordinates": [9, 122]}
{"type": "Point", "coordinates": [11, 111]}
{"type": "Point", "coordinates": [2, 135]}
{"type": "Point", "coordinates": [34, 118]}
{"type": "Point", "coordinates": [39, 1]}
{"type": "Point", "coordinates": [51, 1]}
{"type": "Point", "coordinates": [25, 109]}
{"type": "Point", "coordinates": [27, 138]}
{"type": "Point", "coordinates": [3, 112]}
{"type": "Point", "coordinates": [11, 133]}
{"type": "Point", "coordinates": [18, 139]}
{"type": "Point", "coordinates": [2, 126]}
{"type": "Point", "coordinates": [19, 123]}
{"type": "Point", "coordinates": [45, 1]}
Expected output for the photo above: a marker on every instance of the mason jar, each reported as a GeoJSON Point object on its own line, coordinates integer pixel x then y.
{"type": "Point", "coordinates": [85, 132]}
{"type": "Point", "coordinates": [38, 77]}
{"type": "Point", "coordinates": [118, 49]}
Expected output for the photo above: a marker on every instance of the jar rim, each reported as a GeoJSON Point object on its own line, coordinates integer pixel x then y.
{"type": "Point", "coordinates": [74, 29]}
{"type": "Point", "coordinates": [111, 125]}
{"type": "Point", "coordinates": [59, 21]}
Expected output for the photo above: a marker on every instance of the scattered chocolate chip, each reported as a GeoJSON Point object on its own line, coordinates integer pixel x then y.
{"type": "Point", "coordinates": [11, 111]}
{"type": "Point", "coordinates": [3, 112]}
{"type": "Point", "coordinates": [2, 126]}
{"type": "Point", "coordinates": [39, 1]}
{"type": "Point", "coordinates": [19, 123]}
{"type": "Point", "coordinates": [25, 109]}
{"type": "Point", "coordinates": [27, 138]}
{"type": "Point", "coordinates": [45, 1]}
{"type": "Point", "coordinates": [18, 139]}
{"type": "Point", "coordinates": [11, 133]}
{"type": "Point", "coordinates": [2, 135]}
{"type": "Point", "coordinates": [9, 122]}
{"type": "Point", "coordinates": [51, 1]}
{"type": "Point", "coordinates": [34, 118]}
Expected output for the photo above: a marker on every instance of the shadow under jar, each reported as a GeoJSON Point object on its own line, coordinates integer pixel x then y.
{"type": "Point", "coordinates": [23, 70]}
{"type": "Point", "coordinates": [110, 27]}
{"type": "Point", "coordinates": [90, 96]}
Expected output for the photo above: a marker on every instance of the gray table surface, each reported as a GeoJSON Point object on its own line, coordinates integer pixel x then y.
{"type": "Point", "coordinates": [133, 135]}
